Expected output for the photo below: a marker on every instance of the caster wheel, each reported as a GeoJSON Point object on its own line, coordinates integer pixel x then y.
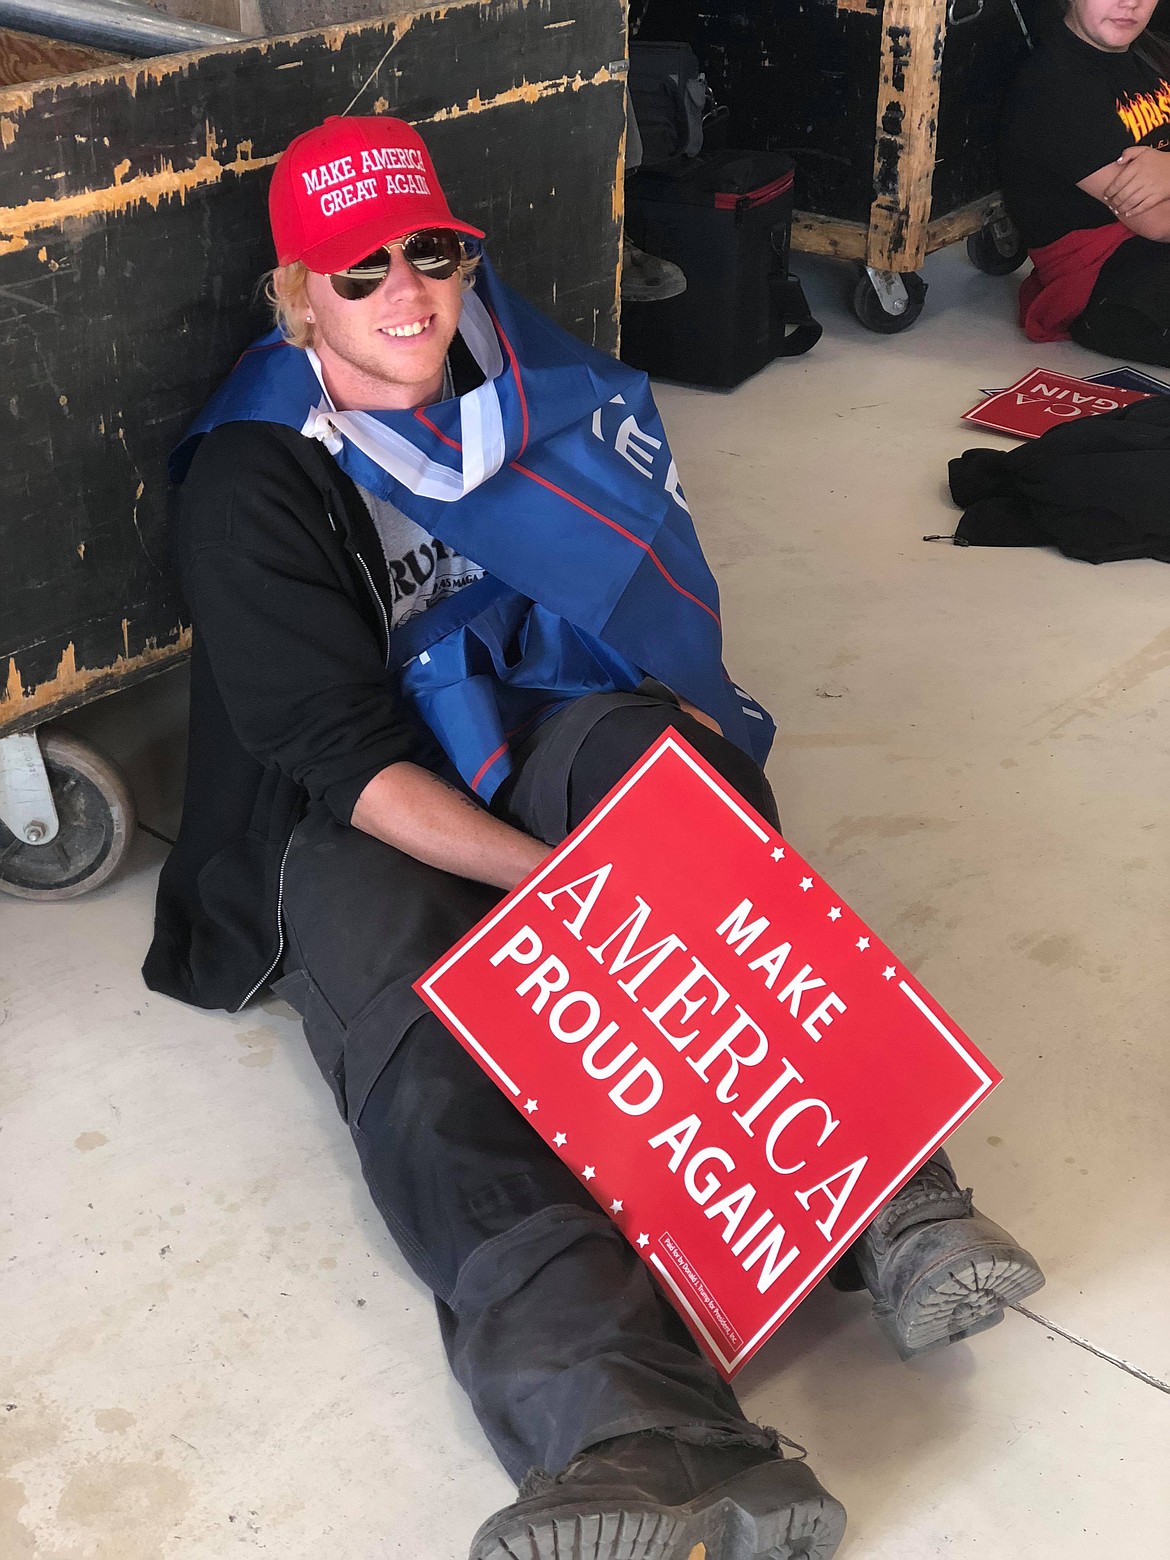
{"type": "Point", "coordinates": [97, 816]}
{"type": "Point", "coordinates": [996, 249]}
{"type": "Point", "coordinates": [867, 306]}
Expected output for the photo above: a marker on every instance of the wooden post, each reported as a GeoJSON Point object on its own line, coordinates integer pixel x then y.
{"type": "Point", "coordinates": [913, 34]}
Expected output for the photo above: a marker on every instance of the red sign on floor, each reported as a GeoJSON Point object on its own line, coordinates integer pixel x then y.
{"type": "Point", "coordinates": [1042, 400]}
{"type": "Point", "coordinates": [736, 1067]}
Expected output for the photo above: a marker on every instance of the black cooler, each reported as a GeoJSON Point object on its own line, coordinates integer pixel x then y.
{"type": "Point", "coordinates": [725, 218]}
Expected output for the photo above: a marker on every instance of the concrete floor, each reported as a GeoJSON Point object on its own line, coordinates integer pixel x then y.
{"type": "Point", "coordinates": [208, 1345]}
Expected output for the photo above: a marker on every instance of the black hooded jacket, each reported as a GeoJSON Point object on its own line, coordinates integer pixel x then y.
{"type": "Point", "coordinates": [1099, 488]}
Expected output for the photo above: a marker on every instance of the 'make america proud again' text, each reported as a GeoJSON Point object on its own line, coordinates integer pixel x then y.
{"type": "Point", "coordinates": [758, 1086]}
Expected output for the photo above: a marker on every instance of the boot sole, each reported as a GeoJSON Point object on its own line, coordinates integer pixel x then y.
{"type": "Point", "coordinates": [778, 1511]}
{"type": "Point", "coordinates": [633, 293]}
{"type": "Point", "coordinates": [960, 1298]}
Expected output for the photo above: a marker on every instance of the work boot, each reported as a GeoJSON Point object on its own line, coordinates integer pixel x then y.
{"type": "Point", "coordinates": [690, 1493]}
{"type": "Point", "coordinates": [646, 278]}
{"type": "Point", "coordinates": [937, 1268]}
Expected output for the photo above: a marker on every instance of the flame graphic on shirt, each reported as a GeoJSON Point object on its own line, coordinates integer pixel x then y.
{"type": "Point", "coordinates": [1145, 112]}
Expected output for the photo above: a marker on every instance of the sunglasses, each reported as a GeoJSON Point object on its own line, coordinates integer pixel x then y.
{"type": "Point", "coordinates": [434, 253]}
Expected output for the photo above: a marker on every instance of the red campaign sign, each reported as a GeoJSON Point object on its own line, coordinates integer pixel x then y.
{"type": "Point", "coordinates": [738, 1069]}
{"type": "Point", "coordinates": [1042, 400]}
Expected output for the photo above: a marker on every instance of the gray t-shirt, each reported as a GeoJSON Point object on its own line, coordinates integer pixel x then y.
{"type": "Point", "coordinates": [423, 570]}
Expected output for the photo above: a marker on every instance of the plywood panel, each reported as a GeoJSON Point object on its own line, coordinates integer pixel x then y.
{"type": "Point", "coordinates": [26, 57]}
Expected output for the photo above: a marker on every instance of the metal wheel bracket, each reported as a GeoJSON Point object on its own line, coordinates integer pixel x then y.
{"type": "Point", "coordinates": [27, 808]}
{"type": "Point", "coordinates": [1004, 235]}
{"type": "Point", "coordinates": [890, 289]}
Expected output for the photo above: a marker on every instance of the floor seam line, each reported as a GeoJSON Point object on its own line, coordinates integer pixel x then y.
{"type": "Point", "coordinates": [155, 833]}
{"type": "Point", "coordinates": [1091, 1348]}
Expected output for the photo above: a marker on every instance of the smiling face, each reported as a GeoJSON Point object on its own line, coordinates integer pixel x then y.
{"type": "Point", "coordinates": [385, 352]}
{"type": "Point", "coordinates": [1111, 25]}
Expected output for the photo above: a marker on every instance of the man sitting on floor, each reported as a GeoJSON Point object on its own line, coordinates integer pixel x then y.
{"type": "Point", "coordinates": [446, 591]}
{"type": "Point", "coordinates": [1085, 163]}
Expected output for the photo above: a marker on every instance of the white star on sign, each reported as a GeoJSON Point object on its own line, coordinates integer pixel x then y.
{"type": "Point", "coordinates": [889, 972]}
{"type": "Point", "coordinates": [616, 1206]}
{"type": "Point", "coordinates": [589, 1172]}
{"type": "Point", "coordinates": [643, 1241]}
{"type": "Point", "coordinates": [835, 913]}
{"type": "Point", "coordinates": [560, 1140]}
{"type": "Point", "coordinates": [778, 853]}
{"type": "Point", "coordinates": [806, 884]}
{"type": "Point", "coordinates": [862, 944]}
{"type": "Point", "coordinates": [530, 1106]}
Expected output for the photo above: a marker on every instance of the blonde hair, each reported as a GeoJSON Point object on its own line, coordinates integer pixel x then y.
{"type": "Point", "coordinates": [285, 288]}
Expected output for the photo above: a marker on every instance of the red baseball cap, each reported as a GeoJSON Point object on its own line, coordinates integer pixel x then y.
{"type": "Point", "coordinates": [347, 187]}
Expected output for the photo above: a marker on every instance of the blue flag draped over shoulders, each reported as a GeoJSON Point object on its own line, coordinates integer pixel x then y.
{"type": "Point", "coordinates": [555, 476]}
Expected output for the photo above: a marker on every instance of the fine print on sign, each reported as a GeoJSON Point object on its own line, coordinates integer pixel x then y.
{"type": "Point", "coordinates": [737, 1068]}
{"type": "Point", "coordinates": [1042, 400]}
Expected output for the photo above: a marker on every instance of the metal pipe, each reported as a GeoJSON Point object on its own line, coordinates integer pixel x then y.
{"type": "Point", "coordinates": [118, 25]}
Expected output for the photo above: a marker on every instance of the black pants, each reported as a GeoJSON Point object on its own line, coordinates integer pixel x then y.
{"type": "Point", "coordinates": [1128, 313]}
{"type": "Point", "coordinates": [551, 1323]}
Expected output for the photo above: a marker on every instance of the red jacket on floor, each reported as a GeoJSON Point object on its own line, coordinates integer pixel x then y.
{"type": "Point", "coordinates": [1066, 271]}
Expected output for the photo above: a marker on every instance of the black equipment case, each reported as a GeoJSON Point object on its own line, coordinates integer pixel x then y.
{"type": "Point", "coordinates": [724, 217]}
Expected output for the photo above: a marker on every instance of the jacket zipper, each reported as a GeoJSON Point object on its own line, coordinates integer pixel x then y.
{"type": "Point", "coordinates": [378, 602]}
{"type": "Point", "coordinates": [279, 925]}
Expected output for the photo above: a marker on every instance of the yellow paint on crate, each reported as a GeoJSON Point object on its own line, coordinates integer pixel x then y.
{"type": "Point", "coordinates": [17, 702]}
{"type": "Point", "coordinates": [526, 92]}
{"type": "Point", "coordinates": [17, 222]}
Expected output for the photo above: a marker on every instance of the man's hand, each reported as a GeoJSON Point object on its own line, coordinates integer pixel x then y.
{"type": "Point", "coordinates": [416, 812]}
{"type": "Point", "coordinates": [1142, 181]}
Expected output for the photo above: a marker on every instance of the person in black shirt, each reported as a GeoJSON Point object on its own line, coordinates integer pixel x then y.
{"type": "Point", "coordinates": [1085, 162]}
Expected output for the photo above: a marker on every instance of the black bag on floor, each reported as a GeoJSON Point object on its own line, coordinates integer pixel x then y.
{"type": "Point", "coordinates": [726, 219]}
